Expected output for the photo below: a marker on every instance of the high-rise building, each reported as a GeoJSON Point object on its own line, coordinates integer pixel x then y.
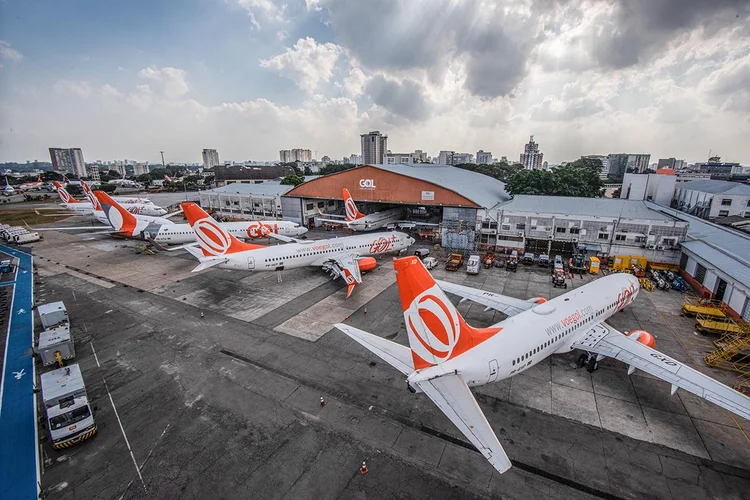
{"type": "Point", "coordinates": [355, 159]}
{"type": "Point", "coordinates": [620, 163]}
{"type": "Point", "coordinates": [293, 155]}
{"type": "Point", "coordinates": [459, 158]}
{"type": "Point", "coordinates": [68, 160]}
{"type": "Point", "coordinates": [446, 157]}
{"type": "Point", "coordinates": [605, 164]}
{"type": "Point", "coordinates": [210, 158]}
{"type": "Point", "coordinates": [420, 156]}
{"type": "Point", "coordinates": [119, 167]}
{"type": "Point", "coordinates": [531, 158]}
{"type": "Point", "coordinates": [666, 163]}
{"type": "Point", "coordinates": [374, 148]}
{"type": "Point", "coordinates": [92, 173]}
{"type": "Point", "coordinates": [484, 157]}
{"type": "Point", "coordinates": [141, 168]}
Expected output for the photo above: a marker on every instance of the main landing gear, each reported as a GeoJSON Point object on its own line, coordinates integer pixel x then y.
{"type": "Point", "coordinates": [589, 360]}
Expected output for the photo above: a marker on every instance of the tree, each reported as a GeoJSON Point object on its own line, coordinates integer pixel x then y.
{"type": "Point", "coordinates": [500, 171]}
{"type": "Point", "coordinates": [332, 169]}
{"type": "Point", "coordinates": [616, 193]}
{"type": "Point", "coordinates": [308, 171]}
{"type": "Point", "coordinates": [293, 180]}
{"type": "Point", "coordinates": [578, 178]}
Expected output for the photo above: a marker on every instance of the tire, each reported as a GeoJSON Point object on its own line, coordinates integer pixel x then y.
{"type": "Point", "coordinates": [566, 285]}
{"type": "Point", "coordinates": [592, 365]}
{"type": "Point", "coordinates": [582, 359]}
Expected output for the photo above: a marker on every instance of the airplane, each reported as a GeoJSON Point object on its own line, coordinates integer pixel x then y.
{"type": "Point", "coordinates": [27, 186]}
{"type": "Point", "coordinates": [89, 208]}
{"type": "Point", "coordinates": [119, 199]}
{"type": "Point", "coordinates": [357, 221]}
{"type": "Point", "coordinates": [168, 179]}
{"type": "Point", "coordinates": [347, 257]}
{"type": "Point", "coordinates": [161, 231]}
{"type": "Point", "coordinates": [8, 190]}
{"type": "Point", "coordinates": [446, 356]}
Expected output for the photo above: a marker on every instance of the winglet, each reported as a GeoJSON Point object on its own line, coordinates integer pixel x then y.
{"type": "Point", "coordinates": [122, 220]}
{"type": "Point", "coordinates": [64, 195]}
{"type": "Point", "coordinates": [436, 330]}
{"type": "Point", "coordinates": [214, 240]}
{"type": "Point", "coordinates": [350, 207]}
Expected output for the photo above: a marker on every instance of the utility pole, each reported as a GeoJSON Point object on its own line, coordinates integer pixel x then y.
{"type": "Point", "coordinates": [163, 165]}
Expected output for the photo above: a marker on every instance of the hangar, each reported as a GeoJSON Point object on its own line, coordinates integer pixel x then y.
{"type": "Point", "coordinates": [456, 200]}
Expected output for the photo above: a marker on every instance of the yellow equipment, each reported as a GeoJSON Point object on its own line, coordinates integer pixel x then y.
{"type": "Point", "coordinates": [732, 353]}
{"type": "Point", "coordinates": [721, 325]}
{"type": "Point", "coordinates": [626, 262]}
{"type": "Point", "coordinates": [705, 307]}
{"type": "Point", "coordinates": [646, 284]}
{"type": "Point", "coordinates": [594, 265]}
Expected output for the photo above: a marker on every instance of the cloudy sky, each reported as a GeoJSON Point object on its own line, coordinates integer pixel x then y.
{"type": "Point", "coordinates": [250, 77]}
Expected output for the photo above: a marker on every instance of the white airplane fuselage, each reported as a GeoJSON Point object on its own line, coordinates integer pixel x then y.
{"type": "Point", "coordinates": [376, 220]}
{"type": "Point", "coordinates": [149, 209]}
{"type": "Point", "coordinates": [531, 336]}
{"type": "Point", "coordinates": [166, 232]}
{"type": "Point", "coordinates": [316, 253]}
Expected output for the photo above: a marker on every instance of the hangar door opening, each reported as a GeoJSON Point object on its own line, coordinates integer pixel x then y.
{"type": "Point", "coordinates": [721, 288]}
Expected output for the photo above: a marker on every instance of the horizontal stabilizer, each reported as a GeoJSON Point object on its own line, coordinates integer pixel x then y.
{"type": "Point", "coordinates": [451, 394]}
{"type": "Point", "coordinates": [172, 214]}
{"type": "Point", "coordinates": [185, 247]}
{"type": "Point", "coordinates": [394, 354]}
{"type": "Point", "coordinates": [285, 239]}
{"type": "Point", "coordinates": [205, 264]}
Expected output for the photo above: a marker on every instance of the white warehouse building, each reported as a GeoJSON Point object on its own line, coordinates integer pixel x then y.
{"type": "Point", "coordinates": [709, 199]}
{"type": "Point", "coordinates": [658, 188]}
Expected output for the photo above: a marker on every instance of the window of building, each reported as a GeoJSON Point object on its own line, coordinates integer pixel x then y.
{"type": "Point", "coordinates": [559, 229]}
{"type": "Point", "coordinates": [726, 202]}
{"type": "Point", "coordinates": [310, 206]}
{"type": "Point", "coordinates": [621, 237]}
{"type": "Point", "coordinates": [321, 204]}
{"type": "Point", "coordinates": [700, 273]}
{"type": "Point", "coordinates": [668, 242]}
{"type": "Point", "coordinates": [723, 213]}
{"type": "Point", "coordinates": [505, 227]}
{"type": "Point", "coordinates": [521, 226]}
{"type": "Point", "coordinates": [683, 261]}
{"type": "Point", "coordinates": [574, 230]}
{"type": "Point", "coordinates": [640, 239]}
{"type": "Point", "coordinates": [603, 236]}
{"type": "Point", "coordinates": [748, 203]}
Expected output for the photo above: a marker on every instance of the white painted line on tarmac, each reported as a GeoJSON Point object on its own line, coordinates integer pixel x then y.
{"type": "Point", "coordinates": [146, 460]}
{"type": "Point", "coordinates": [95, 356]}
{"type": "Point", "coordinates": [138, 470]}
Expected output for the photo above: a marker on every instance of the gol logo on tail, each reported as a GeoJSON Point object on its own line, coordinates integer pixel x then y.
{"type": "Point", "coordinates": [432, 326]}
{"type": "Point", "coordinates": [212, 238]}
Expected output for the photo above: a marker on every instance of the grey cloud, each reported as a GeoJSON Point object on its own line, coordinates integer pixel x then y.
{"type": "Point", "coordinates": [552, 109]}
{"type": "Point", "coordinates": [640, 28]}
{"type": "Point", "coordinates": [496, 63]}
{"type": "Point", "coordinates": [402, 99]}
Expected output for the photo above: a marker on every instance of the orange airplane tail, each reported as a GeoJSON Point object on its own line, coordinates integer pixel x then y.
{"type": "Point", "coordinates": [122, 220]}
{"type": "Point", "coordinates": [350, 207]}
{"type": "Point", "coordinates": [91, 197]}
{"type": "Point", "coordinates": [437, 332]}
{"type": "Point", "coordinates": [214, 240]}
{"type": "Point", "coordinates": [64, 195]}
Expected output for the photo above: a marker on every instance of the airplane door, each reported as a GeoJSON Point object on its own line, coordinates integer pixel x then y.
{"type": "Point", "coordinates": [251, 262]}
{"type": "Point", "coordinates": [494, 370]}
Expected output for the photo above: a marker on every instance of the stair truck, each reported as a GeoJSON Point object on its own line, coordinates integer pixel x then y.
{"type": "Point", "coordinates": [69, 416]}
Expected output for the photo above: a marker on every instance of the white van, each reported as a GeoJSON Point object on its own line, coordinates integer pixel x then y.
{"type": "Point", "coordinates": [472, 265]}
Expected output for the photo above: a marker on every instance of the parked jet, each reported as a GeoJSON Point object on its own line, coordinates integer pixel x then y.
{"type": "Point", "coordinates": [165, 232]}
{"type": "Point", "coordinates": [88, 208]}
{"type": "Point", "coordinates": [28, 186]}
{"type": "Point", "coordinates": [357, 221]}
{"type": "Point", "coordinates": [8, 190]}
{"type": "Point", "coordinates": [168, 179]}
{"type": "Point", "coordinates": [118, 199]}
{"type": "Point", "coordinates": [446, 356]}
{"type": "Point", "coordinates": [347, 257]}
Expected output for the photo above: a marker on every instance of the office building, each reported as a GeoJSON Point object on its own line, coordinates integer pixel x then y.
{"type": "Point", "coordinates": [446, 158]}
{"type": "Point", "coordinates": [658, 187]}
{"type": "Point", "coordinates": [294, 155]}
{"type": "Point", "coordinates": [621, 163]}
{"type": "Point", "coordinates": [374, 148]}
{"type": "Point", "coordinates": [68, 160]}
{"type": "Point", "coordinates": [484, 157]}
{"type": "Point", "coordinates": [399, 159]}
{"type": "Point", "coordinates": [210, 158]}
{"type": "Point", "coordinates": [709, 199]}
{"type": "Point", "coordinates": [459, 158]}
{"type": "Point", "coordinates": [92, 173]}
{"type": "Point", "coordinates": [141, 168]}
{"type": "Point", "coordinates": [532, 158]}
{"type": "Point", "coordinates": [667, 163]}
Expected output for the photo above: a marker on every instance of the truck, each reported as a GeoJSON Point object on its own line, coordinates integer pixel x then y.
{"type": "Point", "coordinates": [489, 259]}
{"type": "Point", "coordinates": [558, 278]}
{"type": "Point", "coordinates": [472, 265]}
{"type": "Point", "coordinates": [512, 263]}
{"type": "Point", "coordinates": [528, 258]}
{"type": "Point", "coordinates": [69, 416]}
{"type": "Point", "coordinates": [543, 260]}
{"type": "Point", "coordinates": [455, 260]}
{"type": "Point", "coordinates": [56, 345]}
{"type": "Point", "coordinates": [27, 237]}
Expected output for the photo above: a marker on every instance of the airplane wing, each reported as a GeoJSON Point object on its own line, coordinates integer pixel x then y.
{"type": "Point", "coordinates": [412, 223]}
{"type": "Point", "coordinates": [65, 228]}
{"type": "Point", "coordinates": [346, 266]}
{"type": "Point", "coordinates": [335, 221]}
{"type": "Point", "coordinates": [396, 355]}
{"type": "Point", "coordinates": [508, 305]}
{"type": "Point", "coordinates": [331, 215]}
{"type": "Point", "coordinates": [605, 340]}
{"type": "Point", "coordinates": [285, 239]}
{"type": "Point", "coordinates": [170, 215]}
{"type": "Point", "coordinates": [454, 398]}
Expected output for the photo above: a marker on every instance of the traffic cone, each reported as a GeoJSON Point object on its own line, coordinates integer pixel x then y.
{"type": "Point", "coordinates": [164, 274]}
{"type": "Point", "coordinates": [201, 314]}
{"type": "Point", "coordinates": [322, 401]}
{"type": "Point", "coordinates": [184, 298]}
{"type": "Point", "coordinates": [363, 470]}
{"type": "Point", "coordinates": [365, 311]}
{"type": "Point", "coordinates": [346, 319]}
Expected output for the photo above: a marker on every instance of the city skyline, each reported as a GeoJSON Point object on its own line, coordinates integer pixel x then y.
{"type": "Point", "coordinates": [279, 74]}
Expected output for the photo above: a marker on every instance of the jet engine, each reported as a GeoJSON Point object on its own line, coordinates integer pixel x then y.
{"type": "Point", "coordinates": [643, 337]}
{"type": "Point", "coordinates": [367, 264]}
